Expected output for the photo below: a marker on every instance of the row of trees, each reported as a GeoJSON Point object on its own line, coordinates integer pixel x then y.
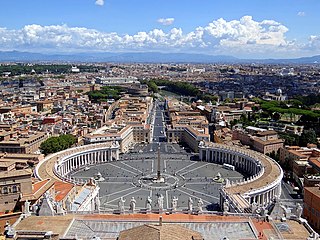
{"type": "Point", "coordinates": [56, 144]}
{"type": "Point", "coordinates": [105, 93]}
{"type": "Point", "coordinates": [308, 136]}
{"type": "Point", "coordinates": [309, 100]}
{"type": "Point", "coordinates": [181, 88]}
{"type": "Point", "coordinates": [274, 106]}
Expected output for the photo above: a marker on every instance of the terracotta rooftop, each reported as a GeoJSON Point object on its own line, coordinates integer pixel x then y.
{"type": "Point", "coordinates": [266, 133]}
{"type": "Point", "coordinates": [315, 162]}
{"type": "Point", "coordinates": [62, 189]}
{"type": "Point", "coordinates": [39, 188]}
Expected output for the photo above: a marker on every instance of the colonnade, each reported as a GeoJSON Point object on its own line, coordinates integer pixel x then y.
{"type": "Point", "coordinates": [266, 197]}
{"type": "Point", "coordinates": [251, 163]}
{"type": "Point", "coordinates": [240, 161]}
{"type": "Point", "coordinates": [73, 162]}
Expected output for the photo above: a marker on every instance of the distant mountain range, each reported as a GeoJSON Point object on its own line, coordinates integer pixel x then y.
{"type": "Point", "coordinates": [144, 57]}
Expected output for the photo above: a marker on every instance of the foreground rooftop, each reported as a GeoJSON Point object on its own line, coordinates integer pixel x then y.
{"type": "Point", "coordinates": [209, 226]}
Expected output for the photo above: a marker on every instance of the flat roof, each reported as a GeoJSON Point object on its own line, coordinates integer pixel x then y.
{"type": "Point", "coordinates": [16, 173]}
{"type": "Point", "coordinates": [210, 226]}
{"type": "Point", "coordinates": [313, 190]}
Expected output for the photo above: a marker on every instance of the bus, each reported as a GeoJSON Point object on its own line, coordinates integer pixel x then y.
{"type": "Point", "coordinates": [228, 166]}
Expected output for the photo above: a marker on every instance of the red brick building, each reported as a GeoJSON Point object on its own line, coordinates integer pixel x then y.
{"type": "Point", "coordinates": [311, 210]}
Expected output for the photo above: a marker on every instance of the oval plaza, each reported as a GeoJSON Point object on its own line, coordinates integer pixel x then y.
{"type": "Point", "coordinates": [259, 187]}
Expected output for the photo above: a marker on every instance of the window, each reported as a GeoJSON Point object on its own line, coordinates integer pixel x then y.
{"type": "Point", "coordinates": [14, 188]}
{"type": "Point", "coordinates": [5, 190]}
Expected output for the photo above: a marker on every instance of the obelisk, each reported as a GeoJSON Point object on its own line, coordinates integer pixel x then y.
{"type": "Point", "coordinates": [158, 172]}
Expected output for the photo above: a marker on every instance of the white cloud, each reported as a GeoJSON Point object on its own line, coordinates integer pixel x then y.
{"type": "Point", "coordinates": [313, 43]}
{"type": "Point", "coordinates": [243, 37]}
{"type": "Point", "coordinates": [99, 2]}
{"type": "Point", "coordinates": [166, 21]}
{"type": "Point", "coordinates": [301, 14]}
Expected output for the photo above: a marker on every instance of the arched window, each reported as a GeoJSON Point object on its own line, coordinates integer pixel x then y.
{"type": "Point", "coordinates": [14, 188]}
{"type": "Point", "coordinates": [5, 190]}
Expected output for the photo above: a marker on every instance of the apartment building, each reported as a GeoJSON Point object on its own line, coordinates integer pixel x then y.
{"type": "Point", "coordinates": [13, 184]}
{"type": "Point", "coordinates": [128, 126]}
{"type": "Point", "coordinates": [23, 143]}
{"type": "Point", "coordinates": [301, 160]}
{"type": "Point", "coordinates": [311, 209]}
{"type": "Point", "coordinates": [261, 140]}
{"type": "Point", "coordinates": [186, 125]}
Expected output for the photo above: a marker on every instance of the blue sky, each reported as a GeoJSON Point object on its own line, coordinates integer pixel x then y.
{"type": "Point", "coordinates": [246, 28]}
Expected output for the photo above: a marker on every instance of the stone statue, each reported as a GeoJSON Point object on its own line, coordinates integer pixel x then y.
{"type": "Point", "coordinates": [258, 210]}
{"type": "Point", "coordinates": [263, 211]}
{"type": "Point", "coordinates": [200, 205]}
{"type": "Point", "coordinates": [190, 204]}
{"type": "Point", "coordinates": [160, 202]}
{"type": "Point", "coordinates": [9, 231]}
{"type": "Point", "coordinates": [148, 203]}
{"type": "Point", "coordinates": [59, 209]}
{"type": "Point", "coordinates": [254, 207]}
{"type": "Point", "coordinates": [218, 176]}
{"type": "Point", "coordinates": [68, 204]}
{"type": "Point", "coordinates": [133, 204]}
{"type": "Point", "coordinates": [226, 206]}
{"type": "Point", "coordinates": [174, 203]}
{"type": "Point", "coordinates": [299, 210]}
{"type": "Point", "coordinates": [227, 181]}
{"type": "Point", "coordinates": [34, 208]}
{"type": "Point", "coordinates": [27, 207]}
{"type": "Point", "coordinates": [97, 207]}
{"type": "Point", "coordinates": [121, 204]}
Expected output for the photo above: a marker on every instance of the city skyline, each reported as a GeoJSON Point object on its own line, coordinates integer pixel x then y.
{"type": "Point", "coordinates": [243, 29]}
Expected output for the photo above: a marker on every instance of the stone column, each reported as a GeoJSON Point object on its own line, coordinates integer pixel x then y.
{"type": "Point", "coordinates": [236, 161]}
{"type": "Point", "coordinates": [117, 154]}
{"type": "Point", "coordinates": [200, 153]}
{"type": "Point", "coordinates": [109, 155]}
{"type": "Point", "coordinates": [279, 191]}
{"type": "Point", "coordinates": [68, 165]}
{"type": "Point", "coordinates": [102, 156]}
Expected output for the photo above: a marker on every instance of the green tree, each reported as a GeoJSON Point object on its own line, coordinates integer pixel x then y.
{"type": "Point", "coordinates": [105, 93]}
{"type": "Point", "coordinates": [308, 136]}
{"type": "Point", "coordinates": [153, 86]}
{"type": "Point", "coordinates": [290, 139]}
{"type": "Point", "coordinates": [56, 144]}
